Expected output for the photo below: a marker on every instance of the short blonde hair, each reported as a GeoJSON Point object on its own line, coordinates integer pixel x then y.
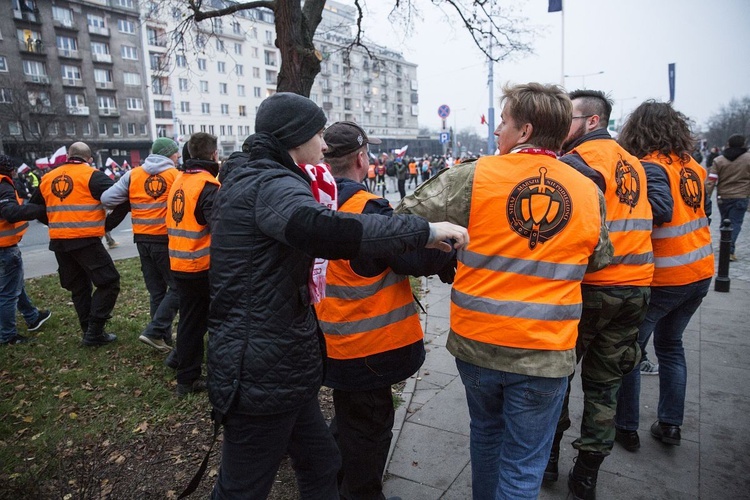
{"type": "Point", "coordinates": [546, 107]}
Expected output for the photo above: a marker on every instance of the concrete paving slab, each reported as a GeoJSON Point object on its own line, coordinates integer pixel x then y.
{"type": "Point", "coordinates": [725, 379]}
{"type": "Point", "coordinates": [723, 449]}
{"type": "Point", "coordinates": [724, 484]}
{"type": "Point", "coordinates": [439, 309]}
{"type": "Point", "coordinates": [398, 486]}
{"type": "Point", "coordinates": [719, 333]}
{"type": "Point", "coordinates": [438, 359]}
{"type": "Point", "coordinates": [718, 354]}
{"type": "Point", "coordinates": [461, 487]}
{"type": "Point", "coordinates": [726, 409]}
{"type": "Point", "coordinates": [447, 410]}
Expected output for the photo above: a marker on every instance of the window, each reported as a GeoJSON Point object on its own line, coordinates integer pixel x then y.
{"type": "Point", "coordinates": [143, 128]}
{"type": "Point", "coordinates": [70, 128]}
{"type": "Point", "coordinates": [191, 129]}
{"type": "Point", "coordinates": [71, 72]}
{"type": "Point", "coordinates": [102, 128]}
{"type": "Point", "coordinates": [129, 52]}
{"type": "Point", "coordinates": [86, 128]}
{"type": "Point", "coordinates": [202, 64]}
{"type": "Point", "coordinates": [269, 37]}
{"type": "Point", "coordinates": [131, 128]}
{"type": "Point", "coordinates": [132, 78]}
{"type": "Point", "coordinates": [221, 67]}
{"type": "Point", "coordinates": [229, 129]}
{"type": "Point", "coordinates": [204, 86]}
{"type": "Point", "coordinates": [211, 129]}
{"type": "Point", "coordinates": [99, 48]}
{"type": "Point", "coordinates": [236, 29]}
{"type": "Point", "coordinates": [238, 49]}
{"type": "Point", "coordinates": [241, 90]}
{"type": "Point", "coordinates": [314, 98]}
{"type": "Point", "coordinates": [116, 130]}
{"type": "Point", "coordinates": [6, 95]}
{"type": "Point", "coordinates": [95, 21]}
{"type": "Point", "coordinates": [3, 64]}
{"type": "Point", "coordinates": [220, 45]}
{"type": "Point", "coordinates": [14, 128]}
{"type": "Point", "coordinates": [217, 25]}
{"type": "Point", "coordinates": [183, 83]}
{"type": "Point", "coordinates": [225, 109]}
{"type": "Point", "coordinates": [102, 76]}
{"type": "Point", "coordinates": [270, 77]}
{"type": "Point", "coordinates": [185, 107]}
{"type": "Point", "coordinates": [183, 129]}
{"type": "Point", "coordinates": [205, 108]}
{"type": "Point", "coordinates": [256, 91]}
{"type": "Point", "coordinates": [62, 15]}
{"type": "Point", "coordinates": [335, 69]}
{"type": "Point", "coordinates": [134, 103]}
{"type": "Point", "coordinates": [223, 88]}
{"type": "Point", "coordinates": [128, 4]}
{"type": "Point", "coordinates": [125, 26]}
{"type": "Point", "coordinates": [254, 33]}
{"type": "Point", "coordinates": [34, 68]}
{"type": "Point", "coordinates": [270, 57]}
{"type": "Point", "coordinates": [75, 100]}
{"type": "Point", "coordinates": [53, 128]}
{"type": "Point", "coordinates": [255, 52]}
{"type": "Point", "coordinates": [222, 130]}
{"type": "Point", "coordinates": [242, 110]}
{"type": "Point", "coordinates": [67, 46]}
{"type": "Point", "coordinates": [106, 102]}
{"type": "Point", "coordinates": [239, 69]}
{"type": "Point", "coordinates": [181, 61]}
{"type": "Point", "coordinates": [256, 72]}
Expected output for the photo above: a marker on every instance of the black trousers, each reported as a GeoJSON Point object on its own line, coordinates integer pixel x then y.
{"type": "Point", "coordinates": [194, 297]}
{"type": "Point", "coordinates": [402, 187]}
{"type": "Point", "coordinates": [159, 281]}
{"type": "Point", "coordinates": [363, 430]}
{"type": "Point", "coordinates": [81, 270]}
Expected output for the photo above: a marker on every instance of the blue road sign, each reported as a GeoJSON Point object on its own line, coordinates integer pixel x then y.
{"type": "Point", "coordinates": [445, 137]}
{"type": "Point", "coordinates": [444, 111]}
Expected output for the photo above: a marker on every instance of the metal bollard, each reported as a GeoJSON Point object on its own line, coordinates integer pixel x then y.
{"type": "Point", "coordinates": [722, 280]}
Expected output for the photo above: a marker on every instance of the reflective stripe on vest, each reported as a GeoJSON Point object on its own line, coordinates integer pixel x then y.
{"type": "Point", "coordinates": [11, 232]}
{"type": "Point", "coordinates": [148, 200]}
{"type": "Point", "coordinates": [363, 316]}
{"type": "Point", "coordinates": [629, 215]}
{"type": "Point", "coordinates": [534, 222]}
{"type": "Point", "coordinates": [189, 241]}
{"type": "Point", "coordinates": [72, 211]}
{"type": "Point", "coordinates": [682, 247]}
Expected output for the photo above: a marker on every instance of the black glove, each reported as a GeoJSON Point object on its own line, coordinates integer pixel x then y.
{"type": "Point", "coordinates": [448, 272]}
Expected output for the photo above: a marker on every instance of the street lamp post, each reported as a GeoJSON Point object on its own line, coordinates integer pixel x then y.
{"type": "Point", "coordinates": [622, 101]}
{"type": "Point", "coordinates": [583, 77]}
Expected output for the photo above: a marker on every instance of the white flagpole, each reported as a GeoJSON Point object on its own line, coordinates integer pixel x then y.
{"type": "Point", "coordinates": [562, 43]}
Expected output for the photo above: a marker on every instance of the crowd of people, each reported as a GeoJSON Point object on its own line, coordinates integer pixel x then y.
{"type": "Point", "coordinates": [566, 248]}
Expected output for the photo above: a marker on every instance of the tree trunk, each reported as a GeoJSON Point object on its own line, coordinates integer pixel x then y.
{"type": "Point", "coordinates": [300, 61]}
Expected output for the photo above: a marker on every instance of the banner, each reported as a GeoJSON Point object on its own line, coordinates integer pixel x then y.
{"type": "Point", "coordinates": [58, 157]}
{"type": "Point", "coordinates": [555, 6]}
{"type": "Point", "coordinates": [42, 163]}
{"type": "Point", "coordinates": [401, 152]}
{"type": "Point", "coordinates": [671, 81]}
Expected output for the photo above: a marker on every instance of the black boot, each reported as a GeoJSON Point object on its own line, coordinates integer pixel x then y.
{"type": "Point", "coordinates": [95, 335]}
{"type": "Point", "coordinates": [550, 473]}
{"type": "Point", "coordinates": [582, 478]}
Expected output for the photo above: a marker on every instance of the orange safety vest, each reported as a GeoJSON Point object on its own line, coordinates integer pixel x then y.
{"type": "Point", "coordinates": [11, 232]}
{"type": "Point", "coordinates": [189, 241]}
{"type": "Point", "coordinates": [365, 316]}
{"type": "Point", "coordinates": [412, 168]}
{"type": "Point", "coordinates": [682, 247]}
{"type": "Point", "coordinates": [71, 210]}
{"type": "Point", "coordinates": [148, 200]}
{"type": "Point", "coordinates": [371, 171]}
{"type": "Point", "coordinates": [629, 216]}
{"type": "Point", "coordinates": [533, 223]}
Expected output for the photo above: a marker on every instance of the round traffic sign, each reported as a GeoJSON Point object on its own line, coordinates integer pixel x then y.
{"type": "Point", "coordinates": [444, 111]}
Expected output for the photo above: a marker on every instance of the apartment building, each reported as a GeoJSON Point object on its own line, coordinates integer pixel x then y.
{"type": "Point", "coordinates": [72, 70]}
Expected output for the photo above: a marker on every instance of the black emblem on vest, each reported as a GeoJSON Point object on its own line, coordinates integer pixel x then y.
{"type": "Point", "coordinates": [628, 184]}
{"type": "Point", "coordinates": [62, 186]}
{"type": "Point", "coordinates": [691, 188]}
{"type": "Point", "coordinates": [178, 206]}
{"type": "Point", "coordinates": [538, 208]}
{"type": "Point", "coordinates": [155, 186]}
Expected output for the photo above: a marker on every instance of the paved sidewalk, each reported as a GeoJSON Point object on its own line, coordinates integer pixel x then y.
{"type": "Point", "coordinates": [430, 454]}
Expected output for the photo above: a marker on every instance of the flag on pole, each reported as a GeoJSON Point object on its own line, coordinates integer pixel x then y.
{"type": "Point", "coordinates": [555, 6]}
{"type": "Point", "coordinates": [58, 157]}
{"type": "Point", "coordinates": [401, 152]}
{"type": "Point", "coordinates": [42, 163]}
{"type": "Point", "coordinates": [23, 168]}
{"type": "Point", "coordinates": [483, 121]}
{"type": "Point", "coordinates": [111, 162]}
{"type": "Point", "coordinates": [671, 81]}
{"type": "Point", "coordinates": [125, 165]}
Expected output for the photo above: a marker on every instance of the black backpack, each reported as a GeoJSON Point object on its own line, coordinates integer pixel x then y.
{"type": "Point", "coordinates": [390, 169]}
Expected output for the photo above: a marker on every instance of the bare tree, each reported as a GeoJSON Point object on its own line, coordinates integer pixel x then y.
{"type": "Point", "coordinates": [488, 23]}
{"type": "Point", "coordinates": [731, 119]}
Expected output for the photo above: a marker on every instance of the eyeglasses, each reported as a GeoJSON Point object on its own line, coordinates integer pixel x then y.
{"type": "Point", "coordinates": [583, 116]}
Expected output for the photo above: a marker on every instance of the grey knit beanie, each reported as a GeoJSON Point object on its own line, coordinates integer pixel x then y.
{"type": "Point", "coordinates": [291, 118]}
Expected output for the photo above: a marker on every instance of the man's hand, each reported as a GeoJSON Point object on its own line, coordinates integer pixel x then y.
{"type": "Point", "coordinates": [440, 231]}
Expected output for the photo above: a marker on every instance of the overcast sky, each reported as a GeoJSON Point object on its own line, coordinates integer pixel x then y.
{"type": "Point", "coordinates": [631, 41]}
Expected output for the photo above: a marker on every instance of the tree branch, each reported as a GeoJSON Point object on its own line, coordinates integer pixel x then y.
{"type": "Point", "coordinates": [199, 15]}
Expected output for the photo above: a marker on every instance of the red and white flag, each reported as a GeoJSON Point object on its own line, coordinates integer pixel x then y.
{"type": "Point", "coordinates": [42, 163]}
{"type": "Point", "coordinates": [58, 157]}
{"type": "Point", "coordinates": [23, 168]}
{"type": "Point", "coordinates": [110, 162]}
{"type": "Point", "coordinates": [401, 152]}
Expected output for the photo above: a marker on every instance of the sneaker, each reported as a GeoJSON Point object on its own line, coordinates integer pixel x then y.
{"type": "Point", "coordinates": [157, 344]}
{"type": "Point", "coordinates": [114, 244]}
{"type": "Point", "coordinates": [649, 368]}
{"type": "Point", "coordinates": [44, 315]}
{"type": "Point", "coordinates": [185, 389]}
{"type": "Point", "coordinates": [732, 258]}
{"type": "Point", "coordinates": [98, 340]}
{"type": "Point", "coordinates": [18, 339]}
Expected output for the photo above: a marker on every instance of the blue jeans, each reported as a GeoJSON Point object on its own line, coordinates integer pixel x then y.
{"type": "Point", "coordinates": [12, 294]}
{"type": "Point", "coordinates": [668, 315]}
{"type": "Point", "coordinates": [513, 421]}
{"type": "Point", "coordinates": [733, 209]}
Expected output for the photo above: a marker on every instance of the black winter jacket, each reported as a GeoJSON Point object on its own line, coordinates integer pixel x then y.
{"type": "Point", "coordinates": [265, 349]}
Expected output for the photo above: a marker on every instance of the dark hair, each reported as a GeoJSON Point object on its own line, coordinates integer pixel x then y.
{"type": "Point", "coordinates": [546, 107]}
{"type": "Point", "coordinates": [656, 127]}
{"type": "Point", "coordinates": [594, 102]}
{"type": "Point", "coordinates": [736, 141]}
{"type": "Point", "coordinates": [202, 146]}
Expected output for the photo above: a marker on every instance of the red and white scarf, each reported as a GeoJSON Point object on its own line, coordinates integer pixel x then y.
{"type": "Point", "coordinates": [324, 190]}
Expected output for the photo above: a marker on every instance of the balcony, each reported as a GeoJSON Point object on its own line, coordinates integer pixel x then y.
{"type": "Point", "coordinates": [32, 47]}
{"type": "Point", "coordinates": [367, 109]}
{"type": "Point", "coordinates": [23, 15]}
{"type": "Point", "coordinates": [384, 97]}
{"type": "Point", "coordinates": [270, 62]}
{"type": "Point", "coordinates": [68, 53]}
{"type": "Point", "coordinates": [102, 58]}
{"type": "Point", "coordinates": [43, 79]}
{"type": "Point", "coordinates": [159, 41]}
{"type": "Point", "coordinates": [327, 106]}
{"type": "Point", "coordinates": [226, 138]}
{"type": "Point", "coordinates": [72, 82]}
{"type": "Point", "coordinates": [65, 23]}
{"type": "Point", "coordinates": [78, 110]}
{"type": "Point", "coordinates": [109, 112]}
{"type": "Point", "coordinates": [98, 30]}
{"type": "Point", "coordinates": [327, 90]}
{"type": "Point", "coordinates": [163, 114]}
{"type": "Point", "coordinates": [162, 90]}
{"type": "Point", "coordinates": [105, 85]}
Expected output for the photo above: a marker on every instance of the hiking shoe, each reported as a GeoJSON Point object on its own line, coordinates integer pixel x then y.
{"type": "Point", "coordinates": [171, 361]}
{"type": "Point", "coordinates": [44, 315]}
{"type": "Point", "coordinates": [98, 340]}
{"type": "Point", "coordinates": [649, 368]}
{"type": "Point", "coordinates": [732, 258]}
{"type": "Point", "coordinates": [185, 389]}
{"type": "Point", "coordinates": [157, 344]}
{"type": "Point", "coordinates": [18, 339]}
